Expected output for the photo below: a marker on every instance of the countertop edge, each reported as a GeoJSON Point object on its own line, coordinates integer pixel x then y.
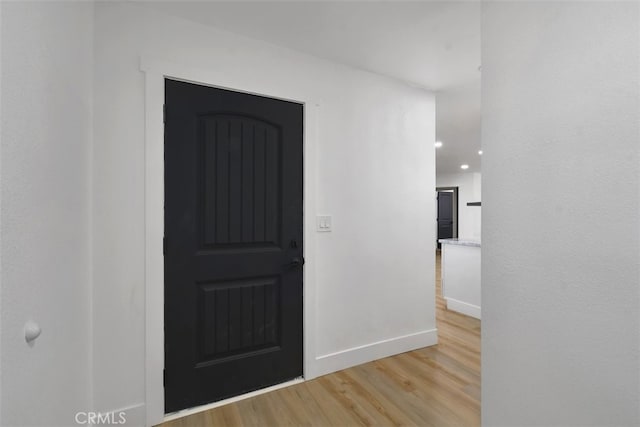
{"type": "Point", "coordinates": [460, 242]}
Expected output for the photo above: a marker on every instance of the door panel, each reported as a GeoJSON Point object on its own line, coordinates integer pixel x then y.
{"type": "Point", "coordinates": [237, 317]}
{"type": "Point", "coordinates": [445, 215]}
{"type": "Point", "coordinates": [233, 225]}
{"type": "Point", "coordinates": [241, 171]}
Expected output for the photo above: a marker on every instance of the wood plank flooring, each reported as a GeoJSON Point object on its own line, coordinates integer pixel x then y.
{"type": "Point", "coordinates": [434, 386]}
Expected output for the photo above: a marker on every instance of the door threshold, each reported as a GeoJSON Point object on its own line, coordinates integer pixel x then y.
{"type": "Point", "coordinates": [206, 407]}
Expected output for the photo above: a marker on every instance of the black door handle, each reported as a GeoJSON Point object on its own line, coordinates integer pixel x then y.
{"type": "Point", "coordinates": [296, 262]}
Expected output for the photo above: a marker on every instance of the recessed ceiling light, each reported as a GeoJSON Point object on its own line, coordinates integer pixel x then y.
{"type": "Point", "coordinates": [464, 166]}
{"type": "Point", "coordinates": [480, 152]}
{"type": "Point", "coordinates": [438, 144]}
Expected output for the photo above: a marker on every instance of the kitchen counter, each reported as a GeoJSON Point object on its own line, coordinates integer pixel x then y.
{"type": "Point", "coordinates": [461, 275]}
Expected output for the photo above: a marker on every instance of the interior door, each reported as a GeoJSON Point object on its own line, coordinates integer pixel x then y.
{"type": "Point", "coordinates": [445, 215]}
{"type": "Point", "coordinates": [233, 243]}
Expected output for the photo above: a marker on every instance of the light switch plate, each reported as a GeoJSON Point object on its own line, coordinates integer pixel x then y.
{"type": "Point", "coordinates": [323, 223]}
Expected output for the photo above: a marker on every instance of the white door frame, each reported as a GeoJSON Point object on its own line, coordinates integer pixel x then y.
{"type": "Point", "coordinates": [155, 73]}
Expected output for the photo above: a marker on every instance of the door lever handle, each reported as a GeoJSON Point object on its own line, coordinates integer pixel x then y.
{"type": "Point", "coordinates": [296, 262]}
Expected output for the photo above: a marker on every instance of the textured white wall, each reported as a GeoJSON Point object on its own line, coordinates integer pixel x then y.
{"type": "Point", "coordinates": [560, 267]}
{"type": "Point", "coordinates": [46, 140]}
{"type": "Point", "coordinates": [469, 190]}
{"type": "Point", "coordinates": [376, 174]}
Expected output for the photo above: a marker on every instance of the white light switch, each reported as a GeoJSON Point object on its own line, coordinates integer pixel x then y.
{"type": "Point", "coordinates": [323, 223]}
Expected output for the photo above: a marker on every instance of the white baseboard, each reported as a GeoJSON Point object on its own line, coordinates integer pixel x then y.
{"type": "Point", "coordinates": [463, 307]}
{"type": "Point", "coordinates": [366, 353]}
{"type": "Point", "coordinates": [133, 416]}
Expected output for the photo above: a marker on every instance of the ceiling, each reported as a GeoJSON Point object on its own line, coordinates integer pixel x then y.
{"type": "Point", "coordinates": [458, 127]}
{"type": "Point", "coordinates": [431, 44]}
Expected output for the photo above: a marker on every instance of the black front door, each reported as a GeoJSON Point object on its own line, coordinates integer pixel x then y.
{"type": "Point", "coordinates": [445, 215]}
{"type": "Point", "coordinates": [233, 248]}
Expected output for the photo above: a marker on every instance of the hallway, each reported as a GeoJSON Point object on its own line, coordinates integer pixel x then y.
{"type": "Point", "coordinates": [434, 386]}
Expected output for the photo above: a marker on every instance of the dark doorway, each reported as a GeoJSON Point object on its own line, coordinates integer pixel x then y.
{"type": "Point", "coordinates": [447, 212]}
{"type": "Point", "coordinates": [233, 249]}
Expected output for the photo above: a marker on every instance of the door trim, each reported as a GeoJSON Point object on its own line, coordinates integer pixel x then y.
{"type": "Point", "coordinates": [155, 72]}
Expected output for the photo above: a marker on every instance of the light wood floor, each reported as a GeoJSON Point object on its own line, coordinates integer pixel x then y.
{"type": "Point", "coordinates": [433, 386]}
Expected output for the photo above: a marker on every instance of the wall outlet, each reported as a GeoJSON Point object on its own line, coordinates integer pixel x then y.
{"type": "Point", "coordinates": [323, 223]}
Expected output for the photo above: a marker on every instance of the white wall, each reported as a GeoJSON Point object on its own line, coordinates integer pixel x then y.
{"type": "Point", "coordinates": [461, 278]}
{"type": "Point", "coordinates": [560, 268]}
{"type": "Point", "coordinates": [375, 165]}
{"type": "Point", "coordinates": [46, 140]}
{"type": "Point", "coordinates": [470, 190]}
